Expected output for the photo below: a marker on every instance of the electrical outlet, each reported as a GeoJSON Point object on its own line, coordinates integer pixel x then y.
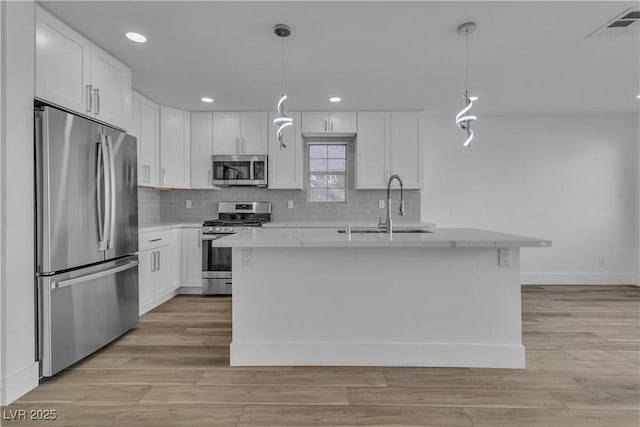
{"type": "Point", "coordinates": [188, 204]}
{"type": "Point", "coordinates": [290, 204]}
{"type": "Point", "coordinates": [246, 257]}
{"type": "Point", "coordinates": [381, 204]}
{"type": "Point", "coordinates": [504, 257]}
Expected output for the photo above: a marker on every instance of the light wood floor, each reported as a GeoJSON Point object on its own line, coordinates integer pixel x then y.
{"type": "Point", "coordinates": [582, 371]}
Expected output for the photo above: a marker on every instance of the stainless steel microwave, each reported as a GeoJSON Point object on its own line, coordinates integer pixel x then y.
{"type": "Point", "coordinates": [240, 169]}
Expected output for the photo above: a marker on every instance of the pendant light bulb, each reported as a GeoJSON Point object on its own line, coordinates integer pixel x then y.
{"type": "Point", "coordinates": [282, 121]}
{"type": "Point", "coordinates": [464, 118]}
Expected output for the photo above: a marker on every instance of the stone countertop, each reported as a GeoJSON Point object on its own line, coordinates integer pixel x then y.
{"type": "Point", "coordinates": [341, 224]}
{"type": "Point", "coordinates": [164, 226]}
{"type": "Point", "coordinates": [318, 237]}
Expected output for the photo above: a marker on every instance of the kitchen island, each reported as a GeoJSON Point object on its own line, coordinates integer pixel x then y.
{"type": "Point", "coordinates": [449, 297]}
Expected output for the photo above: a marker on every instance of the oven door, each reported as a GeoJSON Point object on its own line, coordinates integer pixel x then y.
{"type": "Point", "coordinates": [216, 266]}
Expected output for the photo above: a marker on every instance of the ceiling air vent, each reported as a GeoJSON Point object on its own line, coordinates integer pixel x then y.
{"type": "Point", "coordinates": [628, 22]}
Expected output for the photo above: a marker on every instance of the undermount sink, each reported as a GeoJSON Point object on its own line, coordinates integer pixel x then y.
{"type": "Point", "coordinates": [398, 230]}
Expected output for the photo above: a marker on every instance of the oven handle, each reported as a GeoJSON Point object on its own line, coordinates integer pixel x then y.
{"type": "Point", "coordinates": [215, 236]}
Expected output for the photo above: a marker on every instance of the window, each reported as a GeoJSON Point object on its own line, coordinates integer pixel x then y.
{"type": "Point", "coordinates": [327, 173]}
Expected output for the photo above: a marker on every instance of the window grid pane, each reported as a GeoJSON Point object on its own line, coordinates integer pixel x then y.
{"type": "Point", "coordinates": [327, 177]}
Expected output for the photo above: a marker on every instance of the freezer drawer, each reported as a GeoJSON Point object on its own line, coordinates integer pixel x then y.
{"type": "Point", "coordinates": [82, 310]}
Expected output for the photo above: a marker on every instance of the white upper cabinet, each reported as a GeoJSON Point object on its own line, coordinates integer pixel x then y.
{"type": "Point", "coordinates": [387, 144]}
{"type": "Point", "coordinates": [111, 85]}
{"type": "Point", "coordinates": [175, 151]}
{"type": "Point", "coordinates": [74, 73]}
{"type": "Point", "coordinates": [145, 126]}
{"type": "Point", "coordinates": [322, 123]}
{"type": "Point", "coordinates": [201, 149]}
{"type": "Point", "coordinates": [226, 133]}
{"type": "Point", "coordinates": [373, 150]}
{"type": "Point", "coordinates": [406, 148]}
{"type": "Point", "coordinates": [254, 132]}
{"type": "Point", "coordinates": [63, 64]}
{"type": "Point", "coordinates": [286, 165]}
{"type": "Point", "coordinates": [240, 133]}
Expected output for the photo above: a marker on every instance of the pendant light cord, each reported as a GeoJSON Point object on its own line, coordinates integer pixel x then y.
{"type": "Point", "coordinates": [466, 94]}
{"type": "Point", "coordinates": [282, 64]}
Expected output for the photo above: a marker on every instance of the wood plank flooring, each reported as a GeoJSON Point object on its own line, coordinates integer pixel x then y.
{"type": "Point", "coordinates": [583, 370]}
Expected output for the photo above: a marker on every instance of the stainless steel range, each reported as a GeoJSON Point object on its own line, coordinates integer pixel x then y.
{"type": "Point", "coordinates": [233, 217]}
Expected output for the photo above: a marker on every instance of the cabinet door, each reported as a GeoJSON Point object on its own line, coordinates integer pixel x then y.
{"type": "Point", "coordinates": [342, 122]}
{"type": "Point", "coordinates": [145, 280]}
{"type": "Point", "coordinates": [406, 148]}
{"type": "Point", "coordinates": [175, 153]}
{"type": "Point", "coordinates": [201, 149]}
{"type": "Point", "coordinates": [191, 259]}
{"type": "Point", "coordinates": [372, 150]}
{"type": "Point", "coordinates": [315, 122]}
{"type": "Point", "coordinates": [254, 133]}
{"type": "Point", "coordinates": [172, 262]}
{"type": "Point", "coordinates": [134, 130]}
{"type": "Point", "coordinates": [226, 133]}
{"type": "Point", "coordinates": [63, 64]}
{"type": "Point", "coordinates": [149, 142]}
{"type": "Point", "coordinates": [161, 285]}
{"type": "Point", "coordinates": [286, 165]}
{"type": "Point", "coordinates": [111, 81]}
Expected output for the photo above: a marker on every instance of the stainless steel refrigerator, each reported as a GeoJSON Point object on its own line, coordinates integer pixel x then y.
{"type": "Point", "coordinates": [87, 236]}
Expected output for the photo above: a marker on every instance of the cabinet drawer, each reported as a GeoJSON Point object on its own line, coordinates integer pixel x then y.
{"type": "Point", "coordinates": [153, 240]}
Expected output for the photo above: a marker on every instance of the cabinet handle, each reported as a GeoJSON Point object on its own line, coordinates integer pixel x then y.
{"type": "Point", "coordinates": [153, 262]}
{"type": "Point", "coordinates": [244, 143]}
{"type": "Point", "coordinates": [209, 177]}
{"type": "Point", "coordinates": [331, 125]}
{"type": "Point", "coordinates": [155, 240]}
{"type": "Point", "coordinates": [199, 239]}
{"type": "Point", "coordinates": [325, 125]}
{"type": "Point", "coordinates": [237, 145]}
{"type": "Point", "coordinates": [97, 95]}
{"type": "Point", "coordinates": [148, 174]}
{"type": "Point", "coordinates": [158, 260]}
{"type": "Point", "coordinates": [89, 100]}
{"type": "Point", "coordinates": [164, 177]}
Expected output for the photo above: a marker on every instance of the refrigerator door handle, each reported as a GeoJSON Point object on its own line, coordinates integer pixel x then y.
{"type": "Point", "coordinates": [94, 276]}
{"type": "Point", "coordinates": [106, 219]}
{"type": "Point", "coordinates": [112, 193]}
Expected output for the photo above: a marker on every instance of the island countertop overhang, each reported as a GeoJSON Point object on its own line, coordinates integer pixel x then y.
{"type": "Point", "coordinates": [323, 238]}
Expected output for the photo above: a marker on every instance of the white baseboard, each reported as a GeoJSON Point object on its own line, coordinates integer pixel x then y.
{"type": "Point", "coordinates": [19, 383]}
{"type": "Point", "coordinates": [190, 290]}
{"type": "Point", "coordinates": [376, 354]}
{"type": "Point", "coordinates": [579, 279]}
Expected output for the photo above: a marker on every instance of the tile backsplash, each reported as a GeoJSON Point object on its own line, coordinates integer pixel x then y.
{"type": "Point", "coordinates": [362, 205]}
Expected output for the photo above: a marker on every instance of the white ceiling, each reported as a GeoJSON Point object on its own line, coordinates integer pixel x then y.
{"type": "Point", "coordinates": [525, 57]}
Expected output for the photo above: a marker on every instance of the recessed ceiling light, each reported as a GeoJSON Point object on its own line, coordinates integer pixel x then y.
{"type": "Point", "coordinates": [638, 96]}
{"type": "Point", "coordinates": [136, 37]}
{"type": "Point", "coordinates": [206, 99]}
{"type": "Point", "coordinates": [335, 99]}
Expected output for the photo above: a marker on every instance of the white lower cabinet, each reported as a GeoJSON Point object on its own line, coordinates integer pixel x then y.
{"type": "Point", "coordinates": [191, 259]}
{"type": "Point", "coordinates": [158, 272]}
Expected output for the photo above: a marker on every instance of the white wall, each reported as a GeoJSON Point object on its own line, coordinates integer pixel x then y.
{"type": "Point", "coordinates": [19, 371]}
{"type": "Point", "coordinates": [572, 179]}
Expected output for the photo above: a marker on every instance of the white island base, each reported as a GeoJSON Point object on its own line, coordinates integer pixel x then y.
{"type": "Point", "coordinates": [374, 306]}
